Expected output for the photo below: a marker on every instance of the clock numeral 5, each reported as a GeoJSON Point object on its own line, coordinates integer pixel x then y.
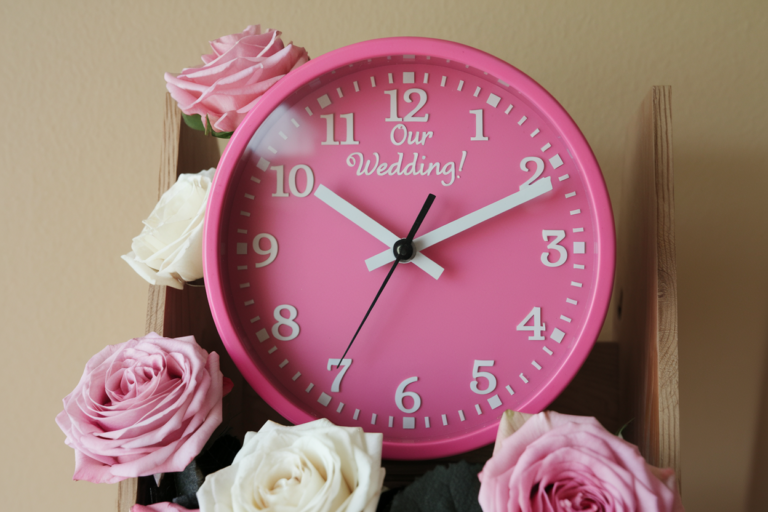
{"type": "Point", "coordinates": [401, 393]}
{"type": "Point", "coordinates": [287, 321]}
{"type": "Point", "coordinates": [330, 131]}
{"type": "Point", "coordinates": [411, 117]}
{"type": "Point", "coordinates": [562, 253]}
{"type": "Point", "coordinates": [270, 252]}
{"type": "Point", "coordinates": [345, 364]}
{"type": "Point", "coordinates": [292, 177]}
{"type": "Point", "coordinates": [476, 373]}
{"type": "Point", "coordinates": [537, 328]}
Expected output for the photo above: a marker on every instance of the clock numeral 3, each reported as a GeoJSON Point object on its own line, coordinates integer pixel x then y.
{"type": "Point", "coordinates": [270, 252]}
{"type": "Point", "coordinates": [292, 180]}
{"type": "Point", "coordinates": [476, 373]}
{"type": "Point", "coordinates": [562, 254]}
{"type": "Point", "coordinates": [401, 393]}
{"type": "Point", "coordinates": [537, 328]}
{"type": "Point", "coordinates": [287, 321]}
{"type": "Point", "coordinates": [345, 364]}
{"type": "Point", "coordinates": [411, 117]}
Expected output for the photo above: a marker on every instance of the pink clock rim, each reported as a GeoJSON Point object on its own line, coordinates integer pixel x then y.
{"type": "Point", "coordinates": [436, 49]}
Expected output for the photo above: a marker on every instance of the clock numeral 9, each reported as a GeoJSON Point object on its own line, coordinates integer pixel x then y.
{"type": "Point", "coordinates": [292, 178]}
{"type": "Point", "coordinates": [411, 117]}
{"type": "Point", "coordinates": [287, 321]}
{"type": "Point", "coordinates": [562, 254]}
{"type": "Point", "coordinates": [345, 364]}
{"type": "Point", "coordinates": [476, 373]}
{"type": "Point", "coordinates": [401, 393]}
{"type": "Point", "coordinates": [270, 252]}
{"type": "Point", "coordinates": [537, 328]}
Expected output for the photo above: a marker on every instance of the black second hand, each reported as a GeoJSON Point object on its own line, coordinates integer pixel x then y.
{"type": "Point", "coordinates": [405, 245]}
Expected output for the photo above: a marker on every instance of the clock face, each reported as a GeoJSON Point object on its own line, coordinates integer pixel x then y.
{"type": "Point", "coordinates": [514, 263]}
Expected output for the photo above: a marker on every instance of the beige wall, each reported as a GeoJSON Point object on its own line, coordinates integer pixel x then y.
{"type": "Point", "coordinates": [82, 95]}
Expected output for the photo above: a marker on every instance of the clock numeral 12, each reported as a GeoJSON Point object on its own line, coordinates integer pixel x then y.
{"type": "Point", "coordinates": [411, 116]}
{"type": "Point", "coordinates": [476, 373]}
{"type": "Point", "coordinates": [330, 131]}
{"type": "Point", "coordinates": [292, 180]}
{"type": "Point", "coordinates": [479, 135]}
{"type": "Point", "coordinates": [345, 364]}
{"type": "Point", "coordinates": [537, 328]}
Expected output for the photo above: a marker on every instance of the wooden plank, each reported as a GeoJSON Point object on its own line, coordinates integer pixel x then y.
{"type": "Point", "coordinates": [645, 291]}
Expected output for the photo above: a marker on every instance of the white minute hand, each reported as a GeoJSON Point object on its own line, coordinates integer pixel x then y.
{"type": "Point", "coordinates": [538, 188]}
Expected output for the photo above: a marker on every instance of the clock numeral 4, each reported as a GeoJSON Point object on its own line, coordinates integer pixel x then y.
{"type": "Point", "coordinates": [479, 135]}
{"type": "Point", "coordinates": [476, 373]}
{"type": "Point", "coordinates": [270, 252]}
{"type": "Point", "coordinates": [345, 364]}
{"type": "Point", "coordinates": [537, 327]}
{"type": "Point", "coordinates": [286, 321]}
{"type": "Point", "coordinates": [562, 253]}
{"type": "Point", "coordinates": [411, 117]}
{"type": "Point", "coordinates": [292, 180]}
{"type": "Point", "coordinates": [330, 131]}
{"type": "Point", "coordinates": [401, 393]}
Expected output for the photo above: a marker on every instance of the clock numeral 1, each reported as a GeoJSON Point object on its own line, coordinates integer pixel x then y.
{"type": "Point", "coordinates": [292, 177]}
{"type": "Point", "coordinates": [287, 321]}
{"type": "Point", "coordinates": [478, 125]}
{"type": "Point", "coordinates": [537, 328]}
{"type": "Point", "coordinates": [270, 252]}
{"type": "Point", "coordinates": [345, 364]}
{"type": "Point", "coordinates": [476, 373]}
{"type": "Point", "coordinates": [401, 393]}
{"type": "Point", "coordinates": [330, 130]}
{"type": "Point", "coordinates": [562, 253]}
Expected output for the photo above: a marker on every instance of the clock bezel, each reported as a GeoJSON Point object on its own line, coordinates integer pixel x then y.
{"type": "Point", "coordinates": [220, 196]}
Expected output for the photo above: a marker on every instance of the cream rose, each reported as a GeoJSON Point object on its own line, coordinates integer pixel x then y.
{"type": "Point", "coordinates": [169, 249]}
{"type": "Point", "coordinates": [315, 467]}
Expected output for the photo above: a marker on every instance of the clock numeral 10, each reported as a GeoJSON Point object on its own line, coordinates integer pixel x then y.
{"type": "Point", "coordinates": [286, 321]}
{"type": "Point", "coordinates": [479, 135]}
{"type": "Point", "coordinates": [345, 364]}
{"type": "Point", "coordinates": [293, 187]}
{"type": "Point", "coordinates": [476, 373]}
{"type": "Point", "coordinates": [401, 393]}
{"type": "Point", "coordinates": [562, 253]}
{"type": "Point", "coordinates": [330, 131]}
{"type": "Point", "coordinates": [411, 116]}
{"type": "Point", "coordinates": [537, 328]}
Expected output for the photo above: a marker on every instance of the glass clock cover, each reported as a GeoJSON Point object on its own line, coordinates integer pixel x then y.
{"type": "Point", "coordinates": [514, 264]}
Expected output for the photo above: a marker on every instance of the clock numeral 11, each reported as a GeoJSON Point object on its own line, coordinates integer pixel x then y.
{"type": "Point", "coordinates": [330, 131]}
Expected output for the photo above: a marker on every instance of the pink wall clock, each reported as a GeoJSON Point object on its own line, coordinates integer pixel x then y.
{"type": "Point", "coordinates": [512, 266]}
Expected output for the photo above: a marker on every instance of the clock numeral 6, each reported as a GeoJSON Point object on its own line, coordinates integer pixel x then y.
{"type": "Point", "coordinates": [345, 364]}
{"type": "Point", "coordinates": [292, 178]}
{"type": "Point", "coordinates": [401, 393]}
{"type": "Point", "coordinates": [476, 373]}
{"type": "Point", "coordinates": [537, 328]}
{"type": "Point", "coordinates": [411, 117]}
{"type": "Point", "coordinates": [558, 235]}
{"type": "Point", "coordinates": [287, 321]}
{"type": "Point", "coordinates": [270, 252]}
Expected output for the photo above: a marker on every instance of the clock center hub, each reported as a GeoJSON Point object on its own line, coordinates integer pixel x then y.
{"type": "Point", "coordinates": [404, 250]}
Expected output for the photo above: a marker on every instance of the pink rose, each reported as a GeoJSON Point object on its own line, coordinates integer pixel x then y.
{"type": "Point", "coordinates": [240, 69]}
{"type": "Point", "coordinates": [164, 506]}
{"type": "Point", "coordinates": [556, 462]}
{"type": "Point", "coordinates": [143, 407]}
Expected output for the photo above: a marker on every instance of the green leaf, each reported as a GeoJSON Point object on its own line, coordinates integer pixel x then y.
{"type": "Point", "coordinates": [194, 121]}
{"type": "Point", "coordinates": [210, 131]}
{"type": "Point", "coordinates": [623, 428]}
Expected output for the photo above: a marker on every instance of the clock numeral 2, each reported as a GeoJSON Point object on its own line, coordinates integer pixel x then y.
{"type": "Point", "coordinates": [330, 131]}
{"type": "Point", "coordinates": [292, 178]}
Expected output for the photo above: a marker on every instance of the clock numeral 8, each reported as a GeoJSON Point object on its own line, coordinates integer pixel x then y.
{"type": "Point", "coordinates": [559, 235]}
{"type": "Point", "coordinates": [310, 184]}
{"type": "Point", "coordinates": [401, 393]}
{"type": "Point", "coordinates": [287, 321]}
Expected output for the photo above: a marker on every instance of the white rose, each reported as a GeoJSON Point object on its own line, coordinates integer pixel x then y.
{"type": "Point", "coordinates": [169, 249]}
{"type": "Point", "coordinates": [314, 467]}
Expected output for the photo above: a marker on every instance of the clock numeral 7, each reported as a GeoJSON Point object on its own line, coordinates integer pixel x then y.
{"type": "Point", "coordinates": [345, 364]}
{"type": "Point", "coordinates": [537, 328]}
{"type": "Point", "coordinates": [562, 253]}
{"type": "Point", "coordinates": [292, 180]}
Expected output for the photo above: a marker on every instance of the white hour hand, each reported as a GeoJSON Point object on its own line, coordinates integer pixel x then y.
{"type": "Point", "coordinates": [472, 219]}
{"type": "Point", "coordinates": [374, 229]}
